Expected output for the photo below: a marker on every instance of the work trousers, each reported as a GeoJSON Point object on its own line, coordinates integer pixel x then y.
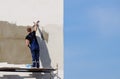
{"type": "Point", "coordinates": [35, 55]}
{"type": "Point", "coordinates": [35, 58]}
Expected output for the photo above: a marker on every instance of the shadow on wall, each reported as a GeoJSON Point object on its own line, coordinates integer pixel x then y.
{"type": "Point", "coordinates": [44, 53]}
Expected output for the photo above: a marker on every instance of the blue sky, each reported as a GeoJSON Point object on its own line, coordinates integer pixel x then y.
{"type": "Point", "coordinates": [92, 39]}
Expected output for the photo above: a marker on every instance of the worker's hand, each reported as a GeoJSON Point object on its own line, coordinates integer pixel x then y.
{"type": "Point", "coordinates": [36, 23]}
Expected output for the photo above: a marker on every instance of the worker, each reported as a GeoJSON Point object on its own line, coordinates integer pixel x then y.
{"type": "Point", "coordinates": [32, 43]}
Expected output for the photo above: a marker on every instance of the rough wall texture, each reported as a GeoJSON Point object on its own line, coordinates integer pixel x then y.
{"type": "Point", "coordinates": [12, 44]}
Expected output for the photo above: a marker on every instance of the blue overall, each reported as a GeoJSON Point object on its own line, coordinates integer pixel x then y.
{"type": "Point", "coordinates": [34, 47]}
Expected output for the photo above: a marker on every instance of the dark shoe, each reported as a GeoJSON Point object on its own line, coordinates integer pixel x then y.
{"type": "Point", "coordinates": [38, 65]}
{"type": "Point", "coordinates": [33, 65]}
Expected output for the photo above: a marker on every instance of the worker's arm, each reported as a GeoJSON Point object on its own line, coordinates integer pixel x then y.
{"type": "Point", "coordinates": [35, 26]}
{"type": "Point", "coordinates": [27, 42]}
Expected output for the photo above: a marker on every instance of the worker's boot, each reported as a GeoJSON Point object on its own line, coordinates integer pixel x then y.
{"type": "Point", "coordinates": [37, 63]}
{"type": "Point", "coordinates": [33, 63]}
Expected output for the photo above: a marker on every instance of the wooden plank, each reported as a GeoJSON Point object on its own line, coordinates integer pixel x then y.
{"type": "Point", "coordinates": [14, 69]}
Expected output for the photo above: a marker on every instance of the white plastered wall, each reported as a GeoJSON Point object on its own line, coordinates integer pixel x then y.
{"type": "Point", "coordinates": [51, 49]}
